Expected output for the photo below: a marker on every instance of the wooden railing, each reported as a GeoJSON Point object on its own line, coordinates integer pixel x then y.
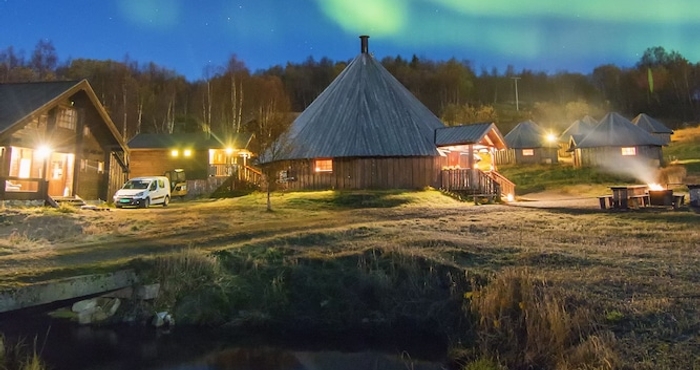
{"type": "Point", "coordinates": [474, 181]}
{"type": "Point", "coordinates": [507, 186]}
{"type": "Point", "coordinates": [15, 188]}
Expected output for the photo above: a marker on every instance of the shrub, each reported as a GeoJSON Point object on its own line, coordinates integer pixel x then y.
{"type": "Point", "coordinates": [526, 324]}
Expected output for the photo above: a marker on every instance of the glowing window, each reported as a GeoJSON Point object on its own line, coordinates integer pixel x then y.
{"type": "Point", "coordinates": [323, 165]}
{"type": "Point", "coordinates": [629, 151]}
{"type": "Point", "coordinates": [174, 153]}
{"type": "Point", "coordinates": [67, 118]}
{"type": "Point", "coordinates": [528, 152]}
{"type": "Point", "coordinates": [100, 167]}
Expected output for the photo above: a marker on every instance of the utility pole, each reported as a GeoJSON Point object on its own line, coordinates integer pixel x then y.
{"type": "Point", "coordinates": [517, 104]}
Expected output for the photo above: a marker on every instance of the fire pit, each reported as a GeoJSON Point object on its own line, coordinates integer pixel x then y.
{"type": "Point", "coordinates": [662, 197]}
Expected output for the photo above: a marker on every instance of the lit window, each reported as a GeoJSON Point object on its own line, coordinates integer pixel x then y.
{"type": "Point", "coordinates": [174, 153]}
{"type": "Point", "coordinates": [187, 153]}
{"type": "Point", "coordinates": [66, 119]}
{"type": "Point", "coordinates": [86, 131]}
{"type": "Point", "coordinates": [323, 165]}
{"type": "Point", "coordinates": [629, 151]}
{"type": "Point", "coordinates": [100, 167]}
{"type": "Point", "coordinates": [83, 165]}
{"type": "Point", "coordinates": [528, 152]}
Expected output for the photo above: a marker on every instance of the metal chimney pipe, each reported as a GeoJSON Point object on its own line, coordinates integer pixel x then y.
{"type": "Point", "coordinates": [364, 47]}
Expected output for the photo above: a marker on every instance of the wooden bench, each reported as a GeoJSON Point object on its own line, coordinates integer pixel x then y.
{"type": "Point", "coordinates": [640, 200]}
{"type": "Point", "coordinates": [678, 200]}
{"type": "Point", "coordinates": [605, 201]}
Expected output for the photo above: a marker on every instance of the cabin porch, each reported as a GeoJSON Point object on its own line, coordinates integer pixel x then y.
{"type": "Point", "coordinates": [477, 183]}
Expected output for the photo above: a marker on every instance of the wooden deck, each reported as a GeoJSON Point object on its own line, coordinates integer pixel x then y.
{"type": "Point", "coordinates": [476, 183]}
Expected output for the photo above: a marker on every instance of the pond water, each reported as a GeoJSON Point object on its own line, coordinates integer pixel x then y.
{"type": "Point", "coordinates": [64, 345]}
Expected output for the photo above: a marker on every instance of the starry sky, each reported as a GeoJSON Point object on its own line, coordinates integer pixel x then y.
{"type": "Point", "coordinates": [189, 35]}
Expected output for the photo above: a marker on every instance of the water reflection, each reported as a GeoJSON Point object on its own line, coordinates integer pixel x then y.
{"type": "Point", "coordinates": [66, 345]}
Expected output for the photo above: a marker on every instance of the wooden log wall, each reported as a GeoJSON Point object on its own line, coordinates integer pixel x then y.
{"type": "Point", "coordinates": [155, 162]}
{"type": "Point", "coordinates": [367, 173]}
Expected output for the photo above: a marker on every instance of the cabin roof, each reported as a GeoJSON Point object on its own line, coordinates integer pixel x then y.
{"type": "Point", "coordinates": [615, 130]}
{"type": "Point", "coordinates": [650, 124]}
{"type": "Point", "coordinates": [20, 102]}
{"type": "Point", "coordinates": [578, 127]}
{"type": "Point", "coordinates": [528, 135]}
{"type": "Point", "coordinates": [475, 133]}
{"type": "Point", "coordinates": [364, 112]}
{"type": "Point", "coordinates": [190, 140]}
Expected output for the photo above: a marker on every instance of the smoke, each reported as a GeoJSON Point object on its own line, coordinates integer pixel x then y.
{"type": "Point", "coordinates": [642, 169]}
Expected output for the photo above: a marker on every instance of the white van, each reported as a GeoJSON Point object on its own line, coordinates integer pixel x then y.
{"type": "Point", "coordinates": [143, 192]}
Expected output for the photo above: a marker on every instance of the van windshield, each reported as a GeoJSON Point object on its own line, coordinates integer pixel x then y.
{"type": "Point", "coordinates": [136, 184]}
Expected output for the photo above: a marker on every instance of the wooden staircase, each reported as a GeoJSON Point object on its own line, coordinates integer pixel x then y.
{"type": "Point", "coordinates": [477, 184]}
{"type": "Point", "coordinates": [74, 201]}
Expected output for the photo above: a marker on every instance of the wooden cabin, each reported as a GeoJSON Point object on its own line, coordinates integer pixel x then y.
{"type": "Point", "coordinates": [578, 128]}
{"type": "Point", "coordinates": [364, 131]}
{"type": "Point", "coordinates": [529, 143]}
{"type": "Point", "coordinates": [57, 141]}
{"type": "Point", "coordinates": [207, 159]}
{"type": "Point", "coordinates": [617, 143]}
{"type": "Point", "coordinates": [654, 127]}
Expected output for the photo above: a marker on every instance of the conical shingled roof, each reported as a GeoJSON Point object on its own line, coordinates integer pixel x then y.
{"type": "Point", "coordinates": [578, 127]}
{"type": "Point", "coordinates": [364, 112]}
{"type": "Point", "coordinates": [650, 124]}
{"type": "Point", "coordinates": [528, 135]}
{"type": "Point", "coordinates": [616, 131]}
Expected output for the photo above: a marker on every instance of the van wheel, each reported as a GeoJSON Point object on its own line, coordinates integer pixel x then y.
{"type": "Point", "coordinates": [166, 201]}
{"type": "Point", "coordinates": [146, 203]}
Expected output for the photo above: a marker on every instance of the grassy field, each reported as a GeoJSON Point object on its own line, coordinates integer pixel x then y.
{"type": "Point", "coordinates": [521, 285]}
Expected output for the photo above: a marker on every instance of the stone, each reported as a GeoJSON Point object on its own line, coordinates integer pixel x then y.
{"type": "Point", "coordinates": [147, 292]}
{"type": "Point", "coordinates": [84, 305]}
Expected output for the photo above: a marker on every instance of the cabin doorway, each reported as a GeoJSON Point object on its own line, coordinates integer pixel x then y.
{"type": "Point", "coordinates": [60, 174]}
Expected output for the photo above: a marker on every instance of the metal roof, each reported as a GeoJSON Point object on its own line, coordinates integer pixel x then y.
{"type": "Point", "coordinates": [19, 100]}
{"type": "Point", "coordinates": [476, 133]}
{"type": "Point", "coordinates": [578, 127]}
{"type": "Point", "coordinates": [650, 124]}
{"type": "Point", "coordinates": [528, 135]}
{"type": "Point", "coordinates": [615, 130]}
{"type": "Point", "coordinates": [190, 140]}
{"type": "Point", "coordinates": [364, 112]}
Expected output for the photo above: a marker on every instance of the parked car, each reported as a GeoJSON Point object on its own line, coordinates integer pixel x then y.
{"type": "Point", "coordinates": [143, 192]}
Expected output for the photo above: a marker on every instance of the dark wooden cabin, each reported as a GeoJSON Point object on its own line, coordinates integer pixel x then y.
{"type": "Point", "coordinates": [56, 141]}
{"type": "Point", "coordinates": [529, 143]}
{"type": "Point", "coordinates": [207, 159]}
{"type": "Point", "coordinates": [617, 143]}
{"type": "Point", "coordinates": [578, 128]}
{"type": "Point", "coordinates": [365, 131]}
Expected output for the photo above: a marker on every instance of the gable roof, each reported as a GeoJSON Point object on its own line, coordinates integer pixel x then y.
{"type": "Point", "coordinates": [20, 102]}
{"type": "Point", "coordinates": [650, 124]}
{"type": "Point", "coordinates": [476, 133]}
{"type": "Point", "coordinates": [578, 127]}
{"type": "Point", "coordinates": [364, 112]}
{"type": "Point", "coordinates": [190, 140]}
{"type": "Point", "coordinates": [615, 130]}
{"type": "Point", "coordinates": [528, 135]}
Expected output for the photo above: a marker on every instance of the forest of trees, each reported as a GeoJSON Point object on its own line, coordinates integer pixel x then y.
{"type": "Point", "coordinates": [144, 97]}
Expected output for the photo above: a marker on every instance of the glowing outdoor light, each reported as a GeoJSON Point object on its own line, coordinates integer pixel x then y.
{"type": "Point", "coordinates": [229, 151]}
{"type": "Point", "coordinates": [551, 137]}
{"type": "Point", "coordinates": [43, 151]}
{"type": "Point", "coordinates": [187, 153]}
{"type": "Point", "coordinates": [509, 197]}
{"type": "Point", "coordinates": [174, 153]}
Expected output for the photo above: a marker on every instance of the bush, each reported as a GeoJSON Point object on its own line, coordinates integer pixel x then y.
{"type": "Point", "coordinates": [526, 324]}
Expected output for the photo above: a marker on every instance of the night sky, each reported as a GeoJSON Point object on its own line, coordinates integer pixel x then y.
{"type": "Point", "coordinates": [188, 35]}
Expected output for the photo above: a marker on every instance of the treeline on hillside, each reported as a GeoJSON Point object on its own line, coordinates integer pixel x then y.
{"type": "Point", "coordinates": [144, 97]}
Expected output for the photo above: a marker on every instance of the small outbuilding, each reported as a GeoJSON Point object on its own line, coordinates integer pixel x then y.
{"type": "Point", "coordinates": [616, 143]}
{"type": "Point", "coordinates": [654, 127]}
{"type": "Point", "coordinates": [529, 143]}
{"type": "Point", "coordinates": [578, 128]}
{"type": "Point", "coordinates": [207, 159]}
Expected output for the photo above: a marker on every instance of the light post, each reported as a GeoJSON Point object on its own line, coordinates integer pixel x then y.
{"type": "Point", "coordinates": [517, 105]}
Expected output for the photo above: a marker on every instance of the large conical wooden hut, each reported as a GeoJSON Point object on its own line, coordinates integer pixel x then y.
{"type": "Point", "coordinates": [367, 131]}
